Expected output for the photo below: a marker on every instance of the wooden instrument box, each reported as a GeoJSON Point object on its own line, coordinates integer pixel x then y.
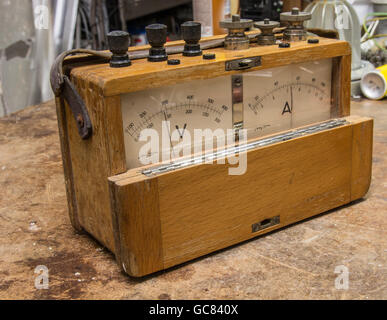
{"type": "Point", "coordinates": [156, 216]}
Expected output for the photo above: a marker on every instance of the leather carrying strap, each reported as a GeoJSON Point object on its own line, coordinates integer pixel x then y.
{"type": "Point", "coordinates": [62, 86]}
{"type": "Point", "coordinates": [78, 108]}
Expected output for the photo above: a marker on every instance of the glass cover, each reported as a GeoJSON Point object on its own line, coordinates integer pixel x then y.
{"type": "Point", "coordinates": [159, 123]}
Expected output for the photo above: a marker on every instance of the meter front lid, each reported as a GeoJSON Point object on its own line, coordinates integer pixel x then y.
{"type": "Point", "coordinates": [262, 102]}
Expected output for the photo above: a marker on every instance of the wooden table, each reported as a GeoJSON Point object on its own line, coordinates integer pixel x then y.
{"type": "Point", "coordinates": [295, 263]}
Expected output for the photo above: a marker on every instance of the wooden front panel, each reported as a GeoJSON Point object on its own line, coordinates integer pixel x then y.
{"type": "Point", "coordinates": [362, 159]}
{"type": "Point", "coordinates": [202, 209]}
{"type": "Point", "coordinates": [136, 219]}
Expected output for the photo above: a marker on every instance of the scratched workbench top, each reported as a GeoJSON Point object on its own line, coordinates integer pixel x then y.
{"type": "Point", "coordinates": [295, 263]}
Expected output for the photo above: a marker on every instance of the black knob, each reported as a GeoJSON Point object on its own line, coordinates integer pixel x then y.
{"type": "Point", "coordinates": [118, 45]}
{"type": "Point", "coordinates": [157, 36]}
{"type": "Point", "coordinates": [191, 32]}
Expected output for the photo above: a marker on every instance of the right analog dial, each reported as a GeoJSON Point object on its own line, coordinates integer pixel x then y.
{"type": "Point", "coordinates": [287, 97]}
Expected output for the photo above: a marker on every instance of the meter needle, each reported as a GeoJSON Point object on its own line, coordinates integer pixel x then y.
{"type": "Point", "coordinates": [181, 133]}
{"type": "Point", "coordinates": [169, 133]}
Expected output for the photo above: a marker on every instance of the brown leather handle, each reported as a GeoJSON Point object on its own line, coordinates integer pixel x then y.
{"type": "Point", "coordinates": [62, 86]}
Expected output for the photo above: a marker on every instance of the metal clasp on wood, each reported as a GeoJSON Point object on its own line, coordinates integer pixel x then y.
{"type": "Point", "coordinates": [242, 64]}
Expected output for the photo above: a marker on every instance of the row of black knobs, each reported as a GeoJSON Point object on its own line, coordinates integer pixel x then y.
{"type": "Point", "coordinates": [157, 37]}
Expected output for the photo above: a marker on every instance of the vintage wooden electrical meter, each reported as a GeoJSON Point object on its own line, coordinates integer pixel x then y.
{"type": "Point", "coordinates": [175, 151]}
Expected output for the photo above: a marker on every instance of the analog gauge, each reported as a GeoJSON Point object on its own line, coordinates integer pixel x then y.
{"type": "Point", "coordinates": [287, 97]}
{"type": "Point", "coordinates": [174, 112]}
{"type": "Point", "coordinates": [263, 102]}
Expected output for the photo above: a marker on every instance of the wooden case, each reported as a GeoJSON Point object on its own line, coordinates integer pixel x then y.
{"type": "Point", "coordinates": [153, 223]}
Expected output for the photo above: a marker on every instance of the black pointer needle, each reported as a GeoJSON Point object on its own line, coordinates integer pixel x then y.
{"type": "Point", "coordinates": [169, 134]}
{"type": "Point", "coordinates": [181, 133]}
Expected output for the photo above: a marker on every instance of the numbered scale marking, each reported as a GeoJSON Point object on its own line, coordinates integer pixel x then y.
{"type": "Point", "coordinates": [270, 101]}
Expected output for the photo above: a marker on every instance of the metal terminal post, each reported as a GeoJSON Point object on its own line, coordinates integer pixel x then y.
{"type": "Point", "coordinates": [295, 30]}
{"type": "Point", "coordinates": [157, 36]}
{"type": "Point", "coordinates": [118, 45]}
{"type": "Point", "coordinates": [266, 38]}
{"type": "Point", "coordinates": [192, 32]}
{"type": "Point", "coordinates": [236, 38]}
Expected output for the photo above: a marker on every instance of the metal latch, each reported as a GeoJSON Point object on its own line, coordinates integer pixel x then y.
{"type": "Point", "coordinates": [241, 64]}
{"type": "Point", "coordinates": [265, 224]}
{"type": "Point", "coordinates": [221, 154]}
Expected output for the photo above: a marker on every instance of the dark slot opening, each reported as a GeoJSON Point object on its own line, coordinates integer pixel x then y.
{"type": "Point", "coordinates": [266, 223]}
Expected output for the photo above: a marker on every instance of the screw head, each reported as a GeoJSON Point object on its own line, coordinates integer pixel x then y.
{"type": "Point", "coordinates": [209, 56]}
{"type": "Point", "coordinates": [295, 16]}
{"type": "Point", "coordinates": [284, 45]}
{"type": "Point", "coordinates": [235, 18]}
{"type": "Point", "coordinates": [313, 41]}
{"type": "Point", "coordinates": [173, 62]}
{"type": "Point", "coordinates": [236, 23]}
{"type": "Point", "coordinates": [266, 24]}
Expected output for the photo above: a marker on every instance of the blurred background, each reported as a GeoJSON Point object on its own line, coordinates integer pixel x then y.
{"type": "Point", "coordinates": [34, 32]}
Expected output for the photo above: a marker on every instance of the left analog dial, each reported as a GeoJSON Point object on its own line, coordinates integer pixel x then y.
{"type": "Point", "coordinates": [174, 112]}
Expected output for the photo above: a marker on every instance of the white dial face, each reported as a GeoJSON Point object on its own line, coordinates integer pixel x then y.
{"type": "Point", "coordinates": [274, 100]}
{"type": "Point", "coordinates": [287, 97]}
{"type": "Point", "coordinates": [174, 112]}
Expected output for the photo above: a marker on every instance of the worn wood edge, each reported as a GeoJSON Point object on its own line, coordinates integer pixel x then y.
{"type": "Point", "coordinates": [341, 86]}
{"type": "Point", "coordinates": [135, 175]}
{"type": "Point", "coordinates": [89, 173]}
{"type": "Point", "coordinates": [122, 81]}
{"type": "Point", "coordinates": [138, 227]}
{"type": "Point", "coordinates": [114, 134]}
{"type": "Point", "coordinates": [115, 213]}
{"type": "Point", "coordinates": [335, 87]}
{"type": "Point", "coordinates": [362, 146]}
{"type": "Point", "coordinates": [67, 166]}
{"type": "Point", "coordinates": [345, 85]}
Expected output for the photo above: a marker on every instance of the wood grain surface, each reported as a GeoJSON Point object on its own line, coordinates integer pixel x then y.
{"type": "Point", "coordinates": [144, 222]}
{"type": "Point", "coordinates": [296, 262]}
{"type": "Point", "coordinates": [202, 208]}
{"type": "Point", "coordinates": [143, 74]}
